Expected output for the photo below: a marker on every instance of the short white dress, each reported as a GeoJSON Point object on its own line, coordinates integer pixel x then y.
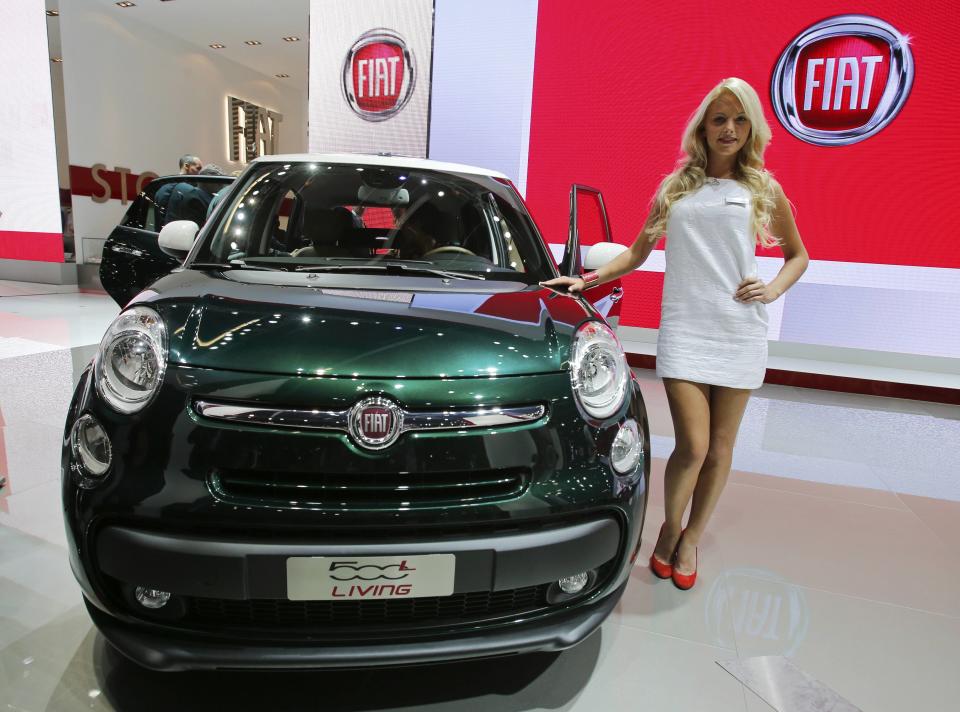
{"type": "Point", "coordinates": [706, 336]}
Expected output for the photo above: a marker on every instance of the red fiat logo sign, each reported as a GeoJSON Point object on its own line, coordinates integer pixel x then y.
{"type": "Point", "coordinates": [375, 422]}
{"type": "Point", "coordinates": [378, 75]}
{"type": "Point", "coordinates": [842, 80]}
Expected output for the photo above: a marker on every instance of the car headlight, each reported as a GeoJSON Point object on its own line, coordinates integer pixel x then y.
{"type": "Point", "coordinates": [132, 359]}
{"type": "Point", "coordinates": [598, 370]}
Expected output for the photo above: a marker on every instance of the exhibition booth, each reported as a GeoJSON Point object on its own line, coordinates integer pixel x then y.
{"type": "Point", "coordinates": [349, 370]}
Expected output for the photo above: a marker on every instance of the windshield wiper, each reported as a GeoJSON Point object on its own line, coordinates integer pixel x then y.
{"type": "Point", "coordinates": [390, 267]}
{"type": "Point", "coordinates": [233, 264]}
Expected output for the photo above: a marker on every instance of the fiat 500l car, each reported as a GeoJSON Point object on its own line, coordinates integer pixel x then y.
{"type": "Point", "coordinates": [353, 429]}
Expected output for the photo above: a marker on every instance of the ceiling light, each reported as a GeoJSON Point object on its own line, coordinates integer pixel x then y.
{"type": "Point", "coordinates": [282, 76]}
{"type": "Point", "coordinates": [217, 45]}
{"type": "Point", "coordinates": [253, 43]}
{"type": "Point", "coordinates": [126, 3]}
{"type": "Point", "coordinates": [58, 60]}
{"type": "Point", "coordinates": [53, 13]}
{"type": "Point", "coordinates": [291, 39]}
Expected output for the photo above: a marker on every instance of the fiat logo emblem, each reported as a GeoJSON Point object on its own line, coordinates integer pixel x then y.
{"type": "Point", "coordinates": [842, 80]}
{"type": "Point", "coordinates": [375, 423]}
{"type": "Point", "coordinates": [378, 75]}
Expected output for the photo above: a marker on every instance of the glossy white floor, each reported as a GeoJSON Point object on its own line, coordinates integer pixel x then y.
{"type": "Point", "coordinates": [837, 544]}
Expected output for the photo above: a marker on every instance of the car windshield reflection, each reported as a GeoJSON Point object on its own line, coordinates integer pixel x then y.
{"type": "Point", "coordinates": [351, 218]}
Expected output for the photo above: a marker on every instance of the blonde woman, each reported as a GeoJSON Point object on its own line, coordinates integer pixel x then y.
{"type": "Point", "coordinates": [712, 343]}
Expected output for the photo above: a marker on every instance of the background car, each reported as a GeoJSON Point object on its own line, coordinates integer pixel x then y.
{"type": "Point", "coordinates": [132, 257]}
{"type": "Point", "coordinates": [353, 428]}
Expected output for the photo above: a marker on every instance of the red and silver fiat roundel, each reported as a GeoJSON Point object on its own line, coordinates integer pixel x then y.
{"type": "Point", "coordinates": [378, 75]}
{"type": "Point", "coordinates": [842, 80]}
{"type": "Point", "coordinates": [375, 423]}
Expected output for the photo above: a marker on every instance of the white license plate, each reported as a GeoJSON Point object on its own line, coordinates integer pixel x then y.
{"type": "Point", "coordinates": [362, 578]}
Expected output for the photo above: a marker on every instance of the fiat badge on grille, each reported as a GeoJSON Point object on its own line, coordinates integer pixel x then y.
{"type": "Point", "coordinates": [375, 423]}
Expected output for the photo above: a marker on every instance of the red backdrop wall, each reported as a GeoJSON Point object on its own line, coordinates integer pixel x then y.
{"type": "Point", "coordinates": [614, 84]}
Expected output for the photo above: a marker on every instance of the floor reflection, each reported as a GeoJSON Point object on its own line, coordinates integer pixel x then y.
{"type": "Point", "coordinates": [98, 677]}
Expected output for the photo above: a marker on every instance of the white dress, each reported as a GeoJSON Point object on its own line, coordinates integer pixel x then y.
{"type": "Point", "coordinates": [706, 335]}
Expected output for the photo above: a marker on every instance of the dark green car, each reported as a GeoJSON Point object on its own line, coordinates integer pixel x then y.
{"type": "Point", "coordinates": [352, 428]}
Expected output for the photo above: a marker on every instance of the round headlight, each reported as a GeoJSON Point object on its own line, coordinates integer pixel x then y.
{"type": "Point", "coordinates": [132, 359]}
{"type": "Point", "coordinates": [598, 370]}
{"type": "Point", "coordinates": [627, 448]}
{"type": "Point", "coordinates": [91, 445]}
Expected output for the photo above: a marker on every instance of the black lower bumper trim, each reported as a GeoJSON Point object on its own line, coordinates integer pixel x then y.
{"type": "Point", "coordinates": [249, 568]}
{"type": "Point", "coordinates": [164, 652]}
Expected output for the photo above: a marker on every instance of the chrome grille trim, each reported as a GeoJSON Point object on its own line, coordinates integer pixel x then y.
{"type": "Point", "coordinates": [302, 419]}
{"type": "Point", "coordinates": [275, 417]}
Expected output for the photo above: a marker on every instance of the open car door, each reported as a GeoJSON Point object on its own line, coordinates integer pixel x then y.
{"type": "Point", "coordinates": [590, 246]}
{"type": "Point", "coordinates": [132, 257]}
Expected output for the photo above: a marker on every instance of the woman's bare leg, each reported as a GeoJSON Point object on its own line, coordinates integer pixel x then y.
{"type": "Point", "coordinates": [726, 411]}
{"type": "Point", "coordinates": [690, 411]}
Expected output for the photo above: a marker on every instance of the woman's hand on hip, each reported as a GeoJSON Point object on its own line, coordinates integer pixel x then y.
{"type": "Point", "coordinates": [573, 284]}
{"type": "Point", "coordinates": [753, 289]}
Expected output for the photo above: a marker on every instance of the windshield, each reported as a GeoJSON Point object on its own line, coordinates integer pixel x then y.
{"type": "Point", "coordinates": [367, 218]}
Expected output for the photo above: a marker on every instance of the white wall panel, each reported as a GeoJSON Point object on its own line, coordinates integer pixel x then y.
{"type": "Point", "coordinates": [29, 197]}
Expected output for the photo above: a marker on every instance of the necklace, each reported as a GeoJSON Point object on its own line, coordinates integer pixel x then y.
{"type": "Point", "coordinates": [715, 181]}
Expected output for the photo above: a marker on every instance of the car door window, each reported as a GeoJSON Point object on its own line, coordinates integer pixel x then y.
{"type": "Point", "coordinates": [148, 213]}
{"type": "Point", "coordinates": [142, 213]}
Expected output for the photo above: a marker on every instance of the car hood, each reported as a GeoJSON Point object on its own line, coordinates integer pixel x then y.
{"type": "Point", "coordinates": [224, 322]}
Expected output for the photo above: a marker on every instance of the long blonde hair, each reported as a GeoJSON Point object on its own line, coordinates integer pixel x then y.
{"type": "Point", "coordinates": [690, 174]}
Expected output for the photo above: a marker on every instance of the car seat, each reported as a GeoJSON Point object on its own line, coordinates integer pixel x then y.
{"type": "Point", "coordinates": [425, 228]}
{"type": "Point", "coordinates": [327, 230]}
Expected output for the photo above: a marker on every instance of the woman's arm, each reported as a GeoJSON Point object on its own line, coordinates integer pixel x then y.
{"type": "Point", "coordinates": [620, 265]}
{"type": "Point", "coordinates": [795, 257]}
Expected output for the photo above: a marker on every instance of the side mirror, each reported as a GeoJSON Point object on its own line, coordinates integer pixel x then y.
{"type": "Point", "coordinates": [600, 254]}
{"type": "Point", "coordinates": [176, 238]}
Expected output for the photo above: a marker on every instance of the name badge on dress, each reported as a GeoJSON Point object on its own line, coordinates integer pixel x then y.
{"type": "Point", "coordinates": [733, 200]}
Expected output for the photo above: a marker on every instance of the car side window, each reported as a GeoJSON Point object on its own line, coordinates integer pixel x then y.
{"type": "Point", "coordinates": [145, 213]}
{"type": "Point", "coordinates": [191, 197]}
{"type": "Point", "coordinates": [140, 214]}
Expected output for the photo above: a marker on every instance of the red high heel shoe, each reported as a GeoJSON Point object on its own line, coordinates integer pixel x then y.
{"type": "Point", "coordinates": [685, 581]}
{"type": "Point", "coordinates": [660, 569]}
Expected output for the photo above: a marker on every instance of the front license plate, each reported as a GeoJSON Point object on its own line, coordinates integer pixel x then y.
{"type": "Point", "coordinates": [362, 578]}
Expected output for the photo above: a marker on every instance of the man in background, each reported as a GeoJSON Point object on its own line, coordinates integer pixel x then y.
{"type": "Point", "coordinates": [190, 202]}
{"type": "Point", "coordinates": [190, 165]}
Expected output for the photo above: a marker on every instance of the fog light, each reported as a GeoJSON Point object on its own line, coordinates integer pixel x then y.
{"type": "Point", "coordinates": [627, 448]}
{"type": "Point", "coordinates": [91, 445]}
{"type": "Point", "coordinates": [151, 598]}
{"type": "Point", "coordinates": [575, 583]}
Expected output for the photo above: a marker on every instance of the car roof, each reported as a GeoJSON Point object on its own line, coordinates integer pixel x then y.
{"type": "Point", "coordinates": [378, 160]}
{"type": "Point", "coordinates": [196, 176]}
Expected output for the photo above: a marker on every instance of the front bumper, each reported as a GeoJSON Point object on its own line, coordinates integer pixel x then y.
{"type": "Point", "coordinates": [254, 571]}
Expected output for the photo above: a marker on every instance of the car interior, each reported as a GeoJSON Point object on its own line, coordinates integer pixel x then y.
{"type": "Point", "coordinates": [377, 215]}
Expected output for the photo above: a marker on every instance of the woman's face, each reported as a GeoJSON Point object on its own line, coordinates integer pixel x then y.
{"type": "Point", "coordinates": [725, 126]}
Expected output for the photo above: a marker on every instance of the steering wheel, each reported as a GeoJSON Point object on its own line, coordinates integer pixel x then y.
{"type": "Point", "coordinates": [450, 248]}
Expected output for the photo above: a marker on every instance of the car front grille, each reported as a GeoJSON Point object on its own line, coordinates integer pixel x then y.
{"type": "Point", "coordinates": [363, 490]}
{"type": "Point", "coordinates": [270, 614]}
